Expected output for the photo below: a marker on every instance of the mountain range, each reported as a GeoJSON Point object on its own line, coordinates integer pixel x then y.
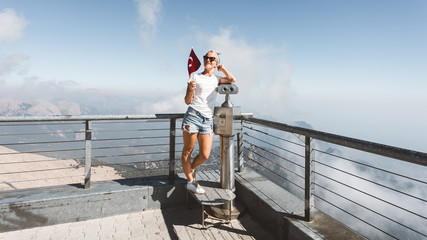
{"type": "Point", "coordinates": [13, 107]}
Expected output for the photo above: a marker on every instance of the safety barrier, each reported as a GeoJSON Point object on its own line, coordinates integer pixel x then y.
{"type": "Point", "coordinates": [378, 190]}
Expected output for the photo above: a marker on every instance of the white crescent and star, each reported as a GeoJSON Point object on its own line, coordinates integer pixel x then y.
{"type": "Point", "coordinates": [190, 62]}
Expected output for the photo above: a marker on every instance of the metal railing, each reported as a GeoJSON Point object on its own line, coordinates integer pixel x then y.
{"type": "Point", "coordinates": [55, 150]}
{"type": "Point", "coordinates": [89, 141]}
{"type": "Point", "coordinates": [351, 180]}
{"type": "Point", "coordinates": [378, 190]}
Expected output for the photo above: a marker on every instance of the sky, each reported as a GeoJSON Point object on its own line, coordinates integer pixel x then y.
{"type": "Point", "coordinates": [353, 68]}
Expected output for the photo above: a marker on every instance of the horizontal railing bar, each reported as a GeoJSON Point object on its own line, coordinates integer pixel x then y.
{"type": "Point", "coordinates": [130, 154]}
{"type": "Point", "coordinates": [261, 192]}
{"type": "Point", "coordinates": [261, 165]}
{"type": "Point", "coordinates": [370, 166]}
{"type": "Point", "coordinates": [130, 163]}
{"type": "Point", "coordinates": [44, 179]}
{"type": "Point", "coordinates": [89, 117]}
{"type": "Point", "coordinates": [286, 140]}
{"type": "Point", "coordinates": [40, 170]}
{"type": "Point", "coordinates": [371, 181]}
{"type": "Point", "coordinates": [44, 151]}
{"type": "Point", "coordinates": [35, 143]}
{"type": "Point", "coordinates": [134, 138]}
{"type": "Point", "coordinates": [299, 155]}
{"type": "Point", "coordinates": [99, 117]}
{"type": "Point", "coordinates": [369, 209]}
{"type": "Point", "coordinates": [130, 130]}
{"type": "Point", "coordinates": [131, 146]}
{"type": "Point", "coordinates": [40, 133]}
{"type": "Point", "coordinates": [265, 150]}
{"type": "Point", "coordinates": [356, 217]}
{"type": "Point", "coordinates": [37, 124]}
{"type": "Point", "coordinates": [272, 171]}
{"type": "Point", "coordinates": [372, 196]}
{"type": "Point", "coordinates": [133, 121]}
{"type": "Point", "coordinates": [39, 161]}
{"type": "Point", "coordinates": [275, 164]}
{"type": "Point", "coordinates": [376, 148]}
{"type": "Point", "coordinates": [143, 172]}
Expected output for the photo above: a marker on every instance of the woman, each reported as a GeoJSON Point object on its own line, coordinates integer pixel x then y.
{"type": "Point", "coordinates": [197, 123]}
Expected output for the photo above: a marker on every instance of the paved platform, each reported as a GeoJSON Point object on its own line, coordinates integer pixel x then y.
{"type": "Point", "coordinates": [169, 223]}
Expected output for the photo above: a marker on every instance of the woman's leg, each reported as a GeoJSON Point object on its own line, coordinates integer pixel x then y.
{"type": "Point", "coordinates": [189, 141]}
{"type": "Point", "coordinates": [205, 145]}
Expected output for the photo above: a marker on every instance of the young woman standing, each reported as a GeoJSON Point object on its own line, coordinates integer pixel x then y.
{"type": "Point", "coordinates": [198, 123]}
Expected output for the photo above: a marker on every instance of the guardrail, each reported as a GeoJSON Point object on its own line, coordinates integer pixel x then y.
{"type": "Point", "coordinates": [379, 187]}
{"type": "Point", "coordinates": [369, 190]}
{"type": "Point", "coordinates": [74, 136]}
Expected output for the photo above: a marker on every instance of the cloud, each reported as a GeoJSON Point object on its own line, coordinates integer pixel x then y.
{"type": "Point", "coordinates": [262, 72]}
{"type": "Point", "coordinates": [33, 87]}
{"type": "Point", "coordinates": [171, 104]}
{"type": "Point", "coordinates": [13, 64]}
{"type": "Point", "coordinates": [12, 25]}
{"type": "Point", "coordinates": [373, 184]}
{"type": "Point", "coordinates": [149, 14]}
{"type": "Point", "coordinates": [262, 76]}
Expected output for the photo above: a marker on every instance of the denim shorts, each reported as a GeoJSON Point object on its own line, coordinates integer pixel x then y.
{"type": "Point", "coordinates": [196, 122]}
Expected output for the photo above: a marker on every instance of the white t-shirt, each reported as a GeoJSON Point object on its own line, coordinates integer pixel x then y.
{"type": "Point", "coordinates": [204, 97]}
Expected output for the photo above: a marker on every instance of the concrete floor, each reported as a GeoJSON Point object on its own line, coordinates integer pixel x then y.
{"type": "Point", "coordinates": [170, 223]}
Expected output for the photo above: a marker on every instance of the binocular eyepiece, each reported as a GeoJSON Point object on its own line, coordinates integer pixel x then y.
{"type": "Point", "coordinates": [227, 89]}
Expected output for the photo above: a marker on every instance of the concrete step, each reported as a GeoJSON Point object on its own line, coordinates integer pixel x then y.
{"type": "Point", "coordinates": [281, 212]}
{"type": "Point", "coordinates": [27, 208]}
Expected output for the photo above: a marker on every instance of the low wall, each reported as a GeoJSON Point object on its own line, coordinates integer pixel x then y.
{"type": "Point", "coordinates": [281, 212]}
{"type": "Point", "coordinates": [27, 208]}
{"type": "Point", "coordinates": [275, 208]}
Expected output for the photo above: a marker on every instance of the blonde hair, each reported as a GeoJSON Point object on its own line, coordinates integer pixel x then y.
{"type": "Point", "coordinates": [217, 55]}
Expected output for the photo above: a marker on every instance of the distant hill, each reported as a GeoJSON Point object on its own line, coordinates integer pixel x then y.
{"type": "Point", "coordinates": [12, 107]}
{"type": "Point", "coordinates": [303, 124]}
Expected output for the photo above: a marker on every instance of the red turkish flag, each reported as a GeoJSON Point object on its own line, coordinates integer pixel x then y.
{"type": "Point", "coordinates": [193, 62]}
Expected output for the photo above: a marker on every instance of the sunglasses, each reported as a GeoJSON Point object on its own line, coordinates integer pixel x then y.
{"type": "Point", "coordinates": [210, 58]}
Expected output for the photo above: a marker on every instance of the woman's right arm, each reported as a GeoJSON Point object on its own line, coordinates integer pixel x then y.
{"type": "Point", "coordinates": [190, 91]}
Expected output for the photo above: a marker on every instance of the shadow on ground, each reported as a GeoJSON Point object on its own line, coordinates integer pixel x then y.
{"type": "Point", "coordinates": [185, 223]}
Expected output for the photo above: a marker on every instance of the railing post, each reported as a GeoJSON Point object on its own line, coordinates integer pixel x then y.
{"type": "Point", "coordinates": [240, 166]}
{"type": "Point", "coordinates": [309, 179]}
{"type": "Point", "coordinates": [172, 150]}
{"type": "Point", "coordinates": [88, 153]}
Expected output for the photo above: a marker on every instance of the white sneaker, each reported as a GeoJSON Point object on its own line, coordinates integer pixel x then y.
{"type": "Point", "coordinates": [195, 187]}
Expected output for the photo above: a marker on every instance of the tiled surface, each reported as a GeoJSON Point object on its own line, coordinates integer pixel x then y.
{"type": "Point", "coordinates": [171, 223]}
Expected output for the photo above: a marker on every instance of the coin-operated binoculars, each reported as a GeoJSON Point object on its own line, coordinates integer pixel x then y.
{"type": "Point", "coordinates": [223, 125]}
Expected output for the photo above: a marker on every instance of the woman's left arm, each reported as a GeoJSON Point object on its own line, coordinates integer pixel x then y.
{"type": "Point", "coordinates": [229, 78]}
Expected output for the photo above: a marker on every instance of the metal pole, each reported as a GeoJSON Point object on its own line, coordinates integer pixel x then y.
{"type": "Point", "coordinates": [88, 153]}
{"type": "Point", "coordinates": [309, 180]}
{"type": "Point", "coordinates": [240, 149]}
{"type": "Point", "coordinates": [172, 150]}
{"type": "Point", "coordinates": [225, 127]}
{"type": "Point", "coordinates": [227, 163]}
{"type": "Point", "coordinates": [227, 167]}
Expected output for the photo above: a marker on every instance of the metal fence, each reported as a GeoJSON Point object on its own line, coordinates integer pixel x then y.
{"type": "Point", "coordinates": [380, 191]}
{"type": "Point", "coordinates": [41, 151]}
{"type": "Point", "coordinates": [55, 150]}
